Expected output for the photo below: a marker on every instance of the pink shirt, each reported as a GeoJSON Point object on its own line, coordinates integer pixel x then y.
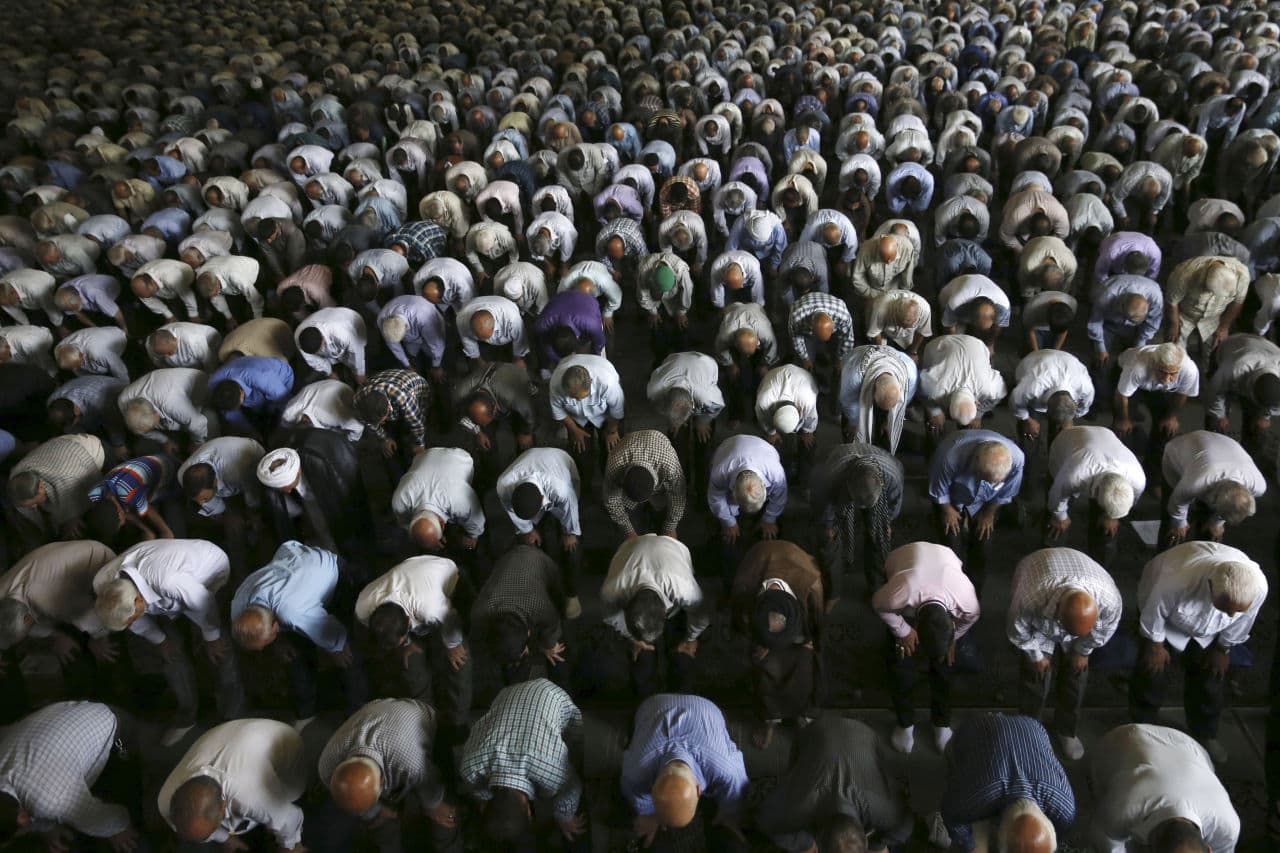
{"type": "Point", "coordinates": [315, 281]}
{"type": "Point", "coordinates": [918, 574]}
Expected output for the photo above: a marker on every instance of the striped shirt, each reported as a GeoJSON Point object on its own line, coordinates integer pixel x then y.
{"type": "Point", "coordinates": [135, 482]}
{"type": "Point", "coordinates": [994, 760]}
{"type": "Point", "coordinates": [519, 744]}
{"type": "Point", "coordinates": [672, 727]}
{"type": "Point", "coordinates": [395, 734]}
{"type": "Point", "coordinates": [409, 395]}
{"type": "Point", "coordinates": [651, 450]}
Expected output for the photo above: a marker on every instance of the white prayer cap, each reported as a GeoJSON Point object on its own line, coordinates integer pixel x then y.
{"type": "Point", "coordinates": [786, 419]}
{"type": "Point", "coordinates": [512, 288]}
{"type": "Point", "coordinates": [279, 468]}
{"type": "Point", "coordinates": [759, 225]}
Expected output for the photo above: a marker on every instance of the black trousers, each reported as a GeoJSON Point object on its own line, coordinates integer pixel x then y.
{"type": "Point", "coordinates": [975, 553]}
{"type": "Point", "coordinates": [1101, 547]}
{"type": "Point", "coordinates": [854, 534]}
{"type": "Point", "coordinates": [427, 676]}
{"type": "Point", "coordinates": [903, 675]}
{"type": "Point", "coordinates": [590, 459]}
{"type": "Point", "coordinates": [1202, 694]}
{"type": "Point", "coordinates": [785, 683]}
{"type": "Point", "coordinates": [1068, 688]}
{"type": "Point", "coordinates": [304, 681]}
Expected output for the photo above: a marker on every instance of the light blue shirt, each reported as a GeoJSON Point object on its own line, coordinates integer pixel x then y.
{"type": "Point", "coordinates": [295, 586]}
{"type": "Point", "coordinates": [952, 479]}
{"type": "Point", "coordinates": [746, 453]}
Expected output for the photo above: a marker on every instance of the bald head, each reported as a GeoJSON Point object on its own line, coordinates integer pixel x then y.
{"type": "Point", "coordinates": [733, 277]}
{"type": "Point", "coordinates": [747, 342]}
{"type": "Point", "coordinates": [675, 795]}
{"type": "Point", "coordinates": [1192, 146]}
{"type": "Point", "coordinates": [196, 808]}
{"type": "Point", "coordinates": [1077, 613]}
{"type": "Point", "coordinates": [482, 325]}
{"type": "Point", "coordinates": [888, 249]}
{"type": "Point", "coordinates": [427, 531]}
{"type": "Point", "coordinates": [1025, 829]}
{"type": "Point", "coordinates": [823, 327]}
{"type": "Point", "coordinates": [356, 785]}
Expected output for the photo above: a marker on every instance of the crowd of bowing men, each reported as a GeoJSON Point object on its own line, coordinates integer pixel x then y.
{"type": "Point", "coordinates": [289, 299]}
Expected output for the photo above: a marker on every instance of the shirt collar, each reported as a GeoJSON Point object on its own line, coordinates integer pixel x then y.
{"type": "Point", "coordinates": [148, 594]}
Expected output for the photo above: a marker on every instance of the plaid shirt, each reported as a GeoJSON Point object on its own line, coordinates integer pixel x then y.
{"type": "Point", "coordinates": [525, 581]}
{"type": "Point", "coordinates": [653, 450]}
{"type": "Point", "coordinates": [423, 240]}
{"type": "Point", "coordinates": [804, 309]}
{"type": "Point", "coordinates": [68, 466]}
{"type": "Point", "coordinates": [633, 242]}
{"type": "Point", "coordinates": [519, 744]}
{"type": "Point", "coordinates": [409, 395]}
{"type": "Point", "coordinates": [50, 759]}
{"type": "Point", "coordinates": [693, 202]}
{"type": "Point", "coordinates": [395, 734]}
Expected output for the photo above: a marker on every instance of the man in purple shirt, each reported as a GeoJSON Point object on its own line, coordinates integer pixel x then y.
{"type": "Point", "coordinates": [249, 393]}
{"type": "Point", "coordinates": [617, 200]}
{"type": "Point", "coordinates": [1114, 256]}
{"type": "Point", "coordinates": [571, 323]}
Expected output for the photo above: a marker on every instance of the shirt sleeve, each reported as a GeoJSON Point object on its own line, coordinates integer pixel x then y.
{"type": "Point", "coordinates": [317, 625]}
{"type": "Point", "coordinates": [1155, 613]}
{"type": "Point", "coordinates": [198, 604]}
{"type": "Point", "coordinates": [144, 626]}
{"type": "Point", "coordinates": [615, 400]}
{"type": "Point", "coordinates": [469, 513]}
{"type": "Point", "coordinates": [1012, 484]}
{"type": "Point", "coordinates": [92, 816]}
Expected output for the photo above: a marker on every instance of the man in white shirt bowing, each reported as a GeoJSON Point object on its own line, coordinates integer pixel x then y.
{"type": "Point", "coordinates": [1197, 600]}
{"type": "Point", "coordinates": [1054, 383]}
{"type": "Point", "coordinates": [409, 611]}
{"type": "Point", "coordinates": [170, 578]}
{"type": "Point", "coordinates": [1205, 469]}
{"type": "Point", "coordinates": [1092, 461]}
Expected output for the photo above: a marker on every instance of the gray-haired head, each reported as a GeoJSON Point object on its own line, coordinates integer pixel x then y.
{"type": "Point", "coordinates": [749, 491]}
{"type": "Point", "coordinates": [678, 405]}
{"type": "Point", "coordinates": [1232, 502]}
{"type": "Point", "coordinates": [15, 622]}
{"type": "Point", "coordinates": [1113, 494]}
{"type": "Point", "coordinates": [117, 604]}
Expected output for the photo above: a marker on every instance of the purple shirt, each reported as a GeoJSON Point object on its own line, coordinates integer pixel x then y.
{"type": "Point", "coordinates": [572, 308]}
{"type": "Point", "coordinates": [1113, 249]}
{"type": "Point", "coordinates": [625, 196]}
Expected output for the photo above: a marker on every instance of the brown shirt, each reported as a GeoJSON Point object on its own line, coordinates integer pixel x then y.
{"type": "Point", "coordinates": [786, 562]}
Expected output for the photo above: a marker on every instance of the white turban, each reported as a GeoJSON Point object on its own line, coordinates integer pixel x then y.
{"type": "Point", "coordinates": [279, 468]}
{"type": "Point", "coordinates": [759, 225]}
{"type": "Point", "coordinates": [786, 419]}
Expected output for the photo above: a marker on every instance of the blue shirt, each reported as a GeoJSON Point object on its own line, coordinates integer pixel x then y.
{"type": "Point", "coordinates": [673, 727]}
{"type": "Point", "coordinates": [295, 586]}
{"type": "Point", "coordinates": [769, 251]}
{"type": "Point", "coordinates": [893, 189]}
{"type": "Point", "coordinates": [952, 479]}
{"type": "Point", "coordinates": [957, 253]}
{"type": "Point", "coordinates": [267, 382]}
{"type": "Point", "coordinates": [994, 760]}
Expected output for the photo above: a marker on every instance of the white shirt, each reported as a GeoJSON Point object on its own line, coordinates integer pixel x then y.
{"type": "Point", "coordinates": [197, 346]}
{"type": "Point", "coordinates": [556, 476]}
{"type": "Point", "coordinates": [1268, 289]}
{"type": "Point", "coordinates": [1045, 372]}
{"type": "Point", "coordinates": [696, 373]}
{"type": "Point", "coordinates": [33, 345]}
{"type": "Point", "coordinates": [508, 326]}
{"type": "Point", "coordinates": [35, 289]}
{"type": "Point", "coordinates": [1176, 602]}
{"type": "Point", "coordinates": [787, 384]}
{"type": "Point", "coordinates": [1240, 358]}
{"type": "Point", "coordinates": [174, 280]}
{"type": "Point", "coordinates": [884, 307]}
{"type": "Point", "coordinates": [175, 577]}
{"type": "Point", "coordinates": [564, 236]}
{"type": "Point", "coordinates": [459, 286]}
{"type": "Point", "coordinates": [421, 587]}
{"type": "Point", "coordinates": [234, 461]}
{"type": "Point", "coordinates": [328, 405]}
{"type": "Point", "coordinates": [605, 400]}
{"type": "Point", "coordinates": [1198, 461]}
{"type": "Point", "coordinates": [959, 362]}
{"type": "Point", "coordinates": [661, 564]}
{"type": "Point", "coordinates": [752, 279]}
{"type": "Point", "coordinates": [734, 319]}
{"type": "Point", "coordinates": [1040, 582]}
{"type": "Point", "coordinates": [1082, 453]}
{"type": "Point", "coordinates": [1145, 775]}
{"type": "Point", "coordinates": [236, 276]}
{"type": "Point", "coordinates": [1136, 373]}
{"type": "Point", "coordinates": [344, 340]}
{"type": "Point", "coordinates": [439, 481]}
{"type": "Point", "coordinates": [965, 288]}
{"type": "Point", "coordinates": [261, 767]}
{"type": "Point", "coordinates": [525, 284]}
{"type": "Point", "coordinates": [178, 395]}
{"type": "Point", "coordinates": [101, 348]}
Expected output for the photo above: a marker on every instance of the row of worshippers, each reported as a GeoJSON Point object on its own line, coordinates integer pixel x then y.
{"type": "Point", "coordinates": [520, 773]}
